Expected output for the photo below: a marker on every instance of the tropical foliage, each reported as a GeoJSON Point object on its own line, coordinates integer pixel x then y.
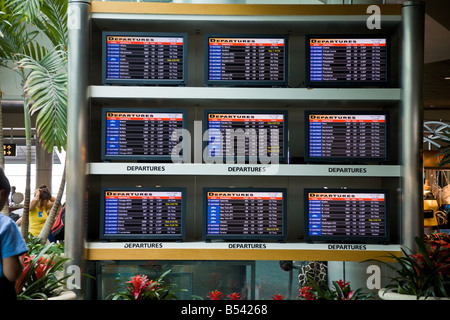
{"type": "Point", "coordinates": [46, 83]}
{"type": "Point", "coordinates": [339, 290]}
{"type": "Point", "coordinates": [42, 275]}
{"type": "Point", "coordinates": [34, 246]}
{"type": "Point", "coordinates": [43, 76]}
{"type": "Point", "coordinates": [17, 39]}
{"type": "Point", "coordinates": [425, 273]}
{"type": "Point", "coordinates": [140, 287]}
{"type": "Point", "coordinates": [46, 92]}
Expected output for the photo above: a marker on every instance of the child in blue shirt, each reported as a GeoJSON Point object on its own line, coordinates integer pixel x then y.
{"type": "Point", "coordinates": [12, 246]}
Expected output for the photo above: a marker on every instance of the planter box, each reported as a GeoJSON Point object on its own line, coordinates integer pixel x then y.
{"type": "Point", "coordinates": [64, 295]}
{"type": "Point", "coordinates": [390, 294]}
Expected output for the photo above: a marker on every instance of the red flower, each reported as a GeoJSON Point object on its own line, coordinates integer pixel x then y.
{"type": "Point", "coordinates": [215, 295]}
{"type": "Point", "coordinates": [140, 285]}
{"type": "Point", "coordinates": [42, 266]}
{"type": "Point", "coordinates": [234, 296]}
{"type": "Point", "coordinates": [443, 243]}
{"type": "Point", "coordinates": [345, 288]}
{"type": "Point", "coordinates": [277, 297]}
{"type": "Point", "coordinates": [306, 293]}
{"type": "Point", "coordinates": [342, 284]}
{"type": "Point", "coordinates": [418, 257]}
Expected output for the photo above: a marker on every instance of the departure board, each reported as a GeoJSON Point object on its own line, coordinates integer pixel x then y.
{"type": "Point", "coordinates": [247, 136]}
{"type": "Point", "coordinates": [142, 134]}
{"type": "Point", "coordinates": [132, 214]}
{"type": "Point", "coordinates": [245, 214]}
{"type": "Point", "coordinates": [358, 61]}
{"type": "Point", "coordinates": [346, 215]}
{"type": "Point", "coordinates": [250, 60]}
{"type": "Point", "coordinates": [346, 137]}
{"type": "Point", "coordinates": [144, 58]}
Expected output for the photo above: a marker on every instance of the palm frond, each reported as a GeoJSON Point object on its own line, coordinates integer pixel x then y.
{"type": "Point", "coordinates": [29, 8]}
{"type": "Point", "coordinates": [15, 38]}
{"type": "Point", "coordinates": [35, 50]}
{"type": "Point", "coordinates": [54, 21]}
{"type": "Point", "coordinates": [46, 89]}
{"type": "Point", "coordinates": [49, 16]}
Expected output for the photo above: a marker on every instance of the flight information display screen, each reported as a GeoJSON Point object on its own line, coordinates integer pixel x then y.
{"type": "Point", "coordinates": [142, 134]}
{"type": "Point", "coordinates": [346, 136]}
{"type": "Point", "coordinates": [346, 215]}
{"type": "Point", "coordinates": [144, 58]}
{"type": "Point", "coordinates": [347, 61]}
{"type": "Point", "coordinates": [143, 214]}
{"type": "Point", "coordinates": [246, 136]}
{"type": "Point", "coordinates": [246, 60]}
{"type": "Point", "coordinates": [241, 215]}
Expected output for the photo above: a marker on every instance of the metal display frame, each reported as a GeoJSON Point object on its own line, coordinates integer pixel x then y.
{"type": "Point", "coordinates": [80, 91]}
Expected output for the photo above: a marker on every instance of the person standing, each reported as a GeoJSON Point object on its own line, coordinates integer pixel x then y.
{"type": "Point", "coordinates": [13, 191]}
{"type": "Point", "coordinates": [12, 247]}
{"type": "Point", "coordinates": [40, 206]}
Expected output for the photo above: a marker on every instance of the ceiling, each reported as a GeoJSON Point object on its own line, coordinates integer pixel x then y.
{"type": "Point", "coordinates": [437, 58]}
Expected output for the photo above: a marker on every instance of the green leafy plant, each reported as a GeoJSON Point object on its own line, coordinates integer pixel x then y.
{"type": "Point", "coordinates": [140, 287]}
{"type": "Point", "coordinates": [339, 290]}
{"type": "Point", "coordinates": [43, 77]}
{"type": "Point", "coordinates": [35, 246]}
{"type": "Point", "coordinates": [425, 273]}
{"type": "Point", "coordinates": [42, 275]}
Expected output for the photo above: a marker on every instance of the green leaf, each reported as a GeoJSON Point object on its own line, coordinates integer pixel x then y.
{"type": "Point", "coordinates": [46, 89]}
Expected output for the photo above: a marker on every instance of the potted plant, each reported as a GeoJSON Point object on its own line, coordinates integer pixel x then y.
{"type": "Point", "coordinates": [42, 276]}
{"type": "Point", "coordinates": [339, 290]}
{"type": "Point", "coordinates": [140, 287]}
{"type": "Point", "coordinates": [217, 295]}
{"type": "Point", "coordinates": [35, 246]}
{"type": "Point", "coordinates": [421, 275]}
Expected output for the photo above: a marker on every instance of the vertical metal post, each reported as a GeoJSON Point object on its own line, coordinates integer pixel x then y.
{"type": "Point", "coordinates": [78, 67]}
{"type": "Point", "coordinates": [413, 20]}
